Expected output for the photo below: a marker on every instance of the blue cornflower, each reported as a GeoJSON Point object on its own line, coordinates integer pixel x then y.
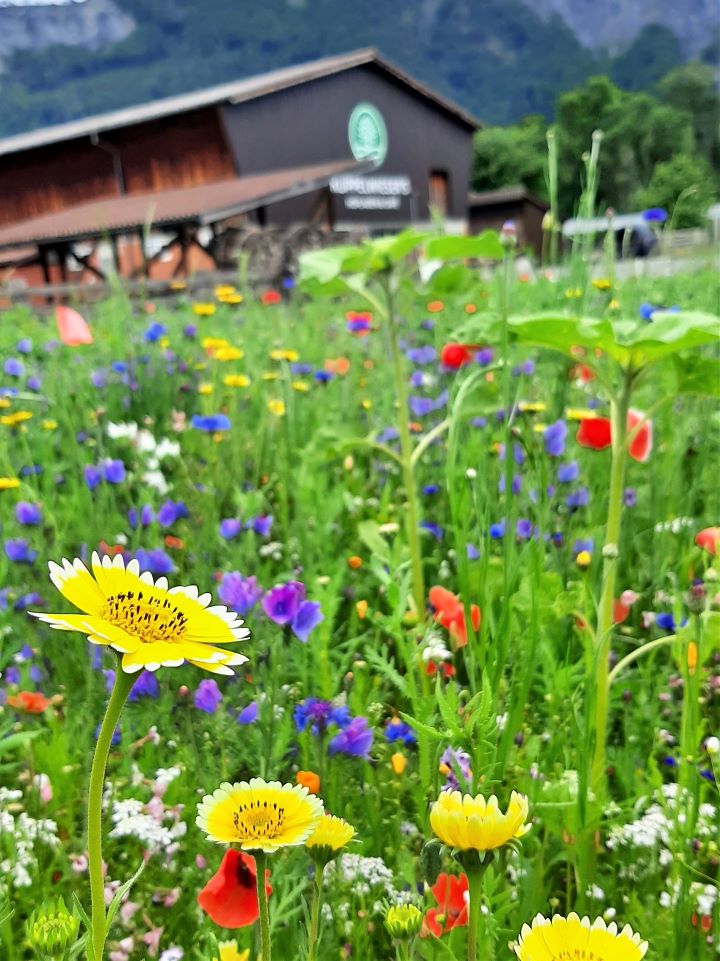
{"type": "Point", "coordinates": [497, 531]}
{"type": "Point", "coordinates": [420, 406]}
{"type": "Point", "coordinates": [434, 529]}
{"type": "Point", "coordinates": [554, 438]}
{"type": "Point", "coordinates": [155, 561]}
{"type": "Point", "coordinates": [355, 741]}
{"type": "Point", "coordinates": [18, 550]}
{"type": "Point", "coordinates": [211, 423]}
{"type": "Point", "coordinates": [318, 715]}
{"type": "Point", "coordinates": [566, 473]}
{"type": "Point", "coordinates": [397, 730]}
{"type": "Point", "coordinates": [14, 367]}
{"type": "Point", "coordinates": [239, 593]}
{"type": "Point", "coordinates": [155, 332]}
{"type": "Point", "coordinates": [208, 696]}
{"type": "Point", "coordinates": [27, 514]}
{"type": "Point", "coordinates": [421, 355]}
{"type": "Point", "coordinates": [578, 498]}
{"type": "Point", "coordinates": [114, 471]}
{"type": "Point", "coordinates": [230, 527]}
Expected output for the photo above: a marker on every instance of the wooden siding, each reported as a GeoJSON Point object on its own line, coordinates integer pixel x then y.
{"type": "Point", "coordinates": [181, 151]}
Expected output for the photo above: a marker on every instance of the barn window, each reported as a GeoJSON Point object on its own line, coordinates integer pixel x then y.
{"type": "Point", "coordinates": [438, 191]}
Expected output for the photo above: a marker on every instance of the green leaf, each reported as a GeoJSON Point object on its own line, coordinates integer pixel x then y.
{"type": "Point", "coordinates": [697, 375]}
{"type": "Point", "coordinates": [14, 741]}
{"type": "Point", "coordinates": [432, 732]}
{"type": "Point", "coordinates": [326, 264]}
{"type": "Point", "coordinates": [396, 246]}
{"type": "Point", "coordinates": [485, 246]}
{"type": "Point", "coordinates": [448, 710]}
{"type": "Point", "coordinates": [119, 895]}
{"type": "Point", "coordinates": [369, 534]}
{"type": "Point", "coordinates": [450, 279]}
{"type": "Point", "coordinates": [386, 669]}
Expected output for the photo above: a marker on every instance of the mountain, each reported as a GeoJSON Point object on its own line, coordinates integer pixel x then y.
{"type": "Point", "coordinates": [501, 59]}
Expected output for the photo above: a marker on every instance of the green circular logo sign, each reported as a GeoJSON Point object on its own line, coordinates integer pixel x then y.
{"type": "Point", "coordinates": [367, 133]}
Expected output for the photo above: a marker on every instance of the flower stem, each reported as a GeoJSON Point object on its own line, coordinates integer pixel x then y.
{"type": "Point", "coordinates": [406, 457]}
{"type": "Point", "coordinates": [475, 878]}
{"type": "Point", "coordinates": [314, 933]}
{"type": "Point", "coordinates": [121, 688]}
{"type": "Point", "coordinates": [261, 868]}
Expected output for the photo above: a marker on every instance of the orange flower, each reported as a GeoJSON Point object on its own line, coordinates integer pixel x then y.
{"type": "Point", "coordinates": [337, 365]}
{"type": "Point", "coordinates": [310, 780]}
{"type": "Point", "coordinates": [362, 608]}
{"type": "Point", "coordinates": [354, 562]}
{"type": "Point", "coordinates": [177, 543]}
{"type": "Point", "coordinates": [435, 306]}
{"type": "Point", "coordinates": [399, 763]}
{"type": "Point", "coordinates": [709, 540]}
{"type": "Point", "coordinates": [470, 309]}
{"type": "Point", "coordinates": [692, 655]}
{"type": "Point", "coordinates": [32, 702]}
{"type": "Point", "coordinates": [450, 612]}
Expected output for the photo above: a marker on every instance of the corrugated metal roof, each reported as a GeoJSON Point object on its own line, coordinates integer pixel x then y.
{"type": "Point", "coordinates": [204, 204]}
{"type": "Point", "coordinates": [504, 195]}
{"type": "Point", "coordinates": [235, 92]}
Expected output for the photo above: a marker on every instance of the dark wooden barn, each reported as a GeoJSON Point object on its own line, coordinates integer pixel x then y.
{"type": "Point", "coordinates": [491, 208]}
{"type": "Point", "coordinates": [382, 148]}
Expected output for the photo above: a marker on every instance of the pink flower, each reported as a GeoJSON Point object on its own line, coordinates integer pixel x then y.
{"type": "Point", "coordinates": [151, 939]}
{"type": "Point", "coordinates": [171, 898]}
{"type": "Point", "coordinates": [44, 787]}
{"type": "Point", "coordinates": [127, 911]}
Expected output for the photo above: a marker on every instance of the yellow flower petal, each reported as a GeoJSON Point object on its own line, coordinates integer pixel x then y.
{"type": "Point", "coordinates": [466, 823]}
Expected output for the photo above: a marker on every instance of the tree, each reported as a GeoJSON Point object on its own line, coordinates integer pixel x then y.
{"type": "Point", "coordinates": [505, 156]}
{"type": "Point", "coordinates": [673, 180]}
{"type": "Point", "coordinates": [693, 87]}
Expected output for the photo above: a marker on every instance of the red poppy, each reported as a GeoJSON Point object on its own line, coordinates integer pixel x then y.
{"type": "Point", "coordinates": [230, 896]}
{"type": "Point", "coordinates": [30, 701]}
{"type": "Point", "coordinates": [582, 373]}
{"type": "Point", "coordinates": [450, 612]}
{"type": "Point", "coordinates": [452, 911]}
{"type": "Point", "coordinates": [447, 668]}
{"type": "Point", "coordinates": [456, 356]}
{"type": "Point", "coordinates": [620, 612]}
{"type": "Point", "coordinates": [270, 297]}
{"type": "Point", "coordinates": [709, 540]}
{"type": "Point", "coordinates": [596, 432]}
{"type": "Point", "coordinates": [72, 327]}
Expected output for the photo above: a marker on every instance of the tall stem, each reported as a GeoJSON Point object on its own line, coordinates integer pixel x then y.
{"type": "Point", "coordinates": [475, 893]}
{"type": "Point", "coordinates": [261, 868]}
{"type": "Point", "coordinates": [121, 688]}
{"type": "Point", "coordinates": [413, 519]}
{"type": "Point", "coordinates": [314, 933]}
{"type": "Point", "coordinates": [619, 414]}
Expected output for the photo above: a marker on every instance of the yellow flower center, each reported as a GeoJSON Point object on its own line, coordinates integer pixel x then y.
{"type": "Point", "coordinates": [151, 619]}
{"type": "Point", "coordinates": [259, 819]}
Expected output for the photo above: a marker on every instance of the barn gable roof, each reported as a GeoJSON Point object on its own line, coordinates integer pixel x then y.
{"type": "Point", "coordinates": [237, 91]}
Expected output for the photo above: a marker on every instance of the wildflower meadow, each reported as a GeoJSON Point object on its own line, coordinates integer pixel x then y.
{"type": "Point", "coordinates": [375, 616]}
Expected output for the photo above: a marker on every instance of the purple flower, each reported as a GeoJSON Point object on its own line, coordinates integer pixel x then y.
{"type": "Point", "coordinates": [527, 367]}
{"type": "Point", "coordinates": [566, 473]}
{"type": "Point", "coordinates": [421, 355]}
{"type": "Point", "coordinates": [324, 376]}
{"type": "Point", "coordinates": [26, 601]}
{"type": "Point", "coordinates": [114, 471]}
{"type": "Point", "coordinates": [524, 528]}
{"type": "Point", "coordinates": [34, 384]}
{"type": "Point", "coordinates": [554, 437]}
{"type": "Point", "coordinates": [261, 525]}
{"type": "Point", "coordinates": [420, 406]}
{"type": "Point", "coordinates": [155, 561]}
{"type": "Point", "coordinates": [230, 527]}
{"type": "Point", "coordinates": [472, 552]}
{"type": "Point", "coordinates": [387, 435]}
{"type": "Point", "coordinates": [301, 370]}
{"type": "Point", "coordinates": [655, 215]}
{"type": "Point", "coordinates": [453, 763]}
{"type": "Point", "coordinates": [208, 696]}
{"type": "Point", "coordinates": [12, 675]}
{"type": "Point", "coordinates": [485, 356]}
{"type": "Point", "coordinates": [306, 620]}
{"type": "Point", "coordinates": [397, 730]}
{"type": "Point", "coordinates": [116, 737]}
{"type": "Point", "coordinates": [578, 498]}
{"type": "Point", "coordinates": [93, 476]}
{"type": "Point", "coordinates": [479, 422]}
{"type": "Point", "coordinates": [144, 518]}
{"type": "Point", "coordinates": [282, 603]}
{"type": "Point", "coordinates": [355, 741]}
{"type": "Point", "coordinates": [170, 512]}
{"type": "Point", "coordinates": [518, 453]}
{"type": "Point", "coordinates": [28, 514]}
{"type": "Point", "coordinates": [146, 686]}
{"type": "Point", "coordinates": [239, 593]}
{"type": "Point", "coordinates": [14, 367]}
{"type": "Point", "coordinates": [249, 714]}
{"type": "Point", "coordinates": [358, 325]}
{"type": "Point", "coordinates": [24, 346]}
{"type": "Point", "coordinates": [430, 489]}
{"type": "Point", "coordinates": [515, 486]}
{"type": "Point", "coordinates": [630, 497]}
{"type": "Point", "coordinates": [189, 330]}
{"type": "Point", "coordinates": [98, 378]}
{"type": "Point", "coordinates": [318, 715]}
{"type": "Point", "coordinates": [211, 423]}
{"type": "Point", "coordinates": [18, 551]}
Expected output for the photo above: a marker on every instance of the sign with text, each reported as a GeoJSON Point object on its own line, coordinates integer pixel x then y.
{"type": "Point", "coordinates": [375, 192]}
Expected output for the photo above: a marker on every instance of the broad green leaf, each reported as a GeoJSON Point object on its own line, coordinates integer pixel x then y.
{"type": "Point", "coordinates": [485, 246]}
{"type": "Point", "coordinates": [326, 264]}
{"type": "Point", "coordinates": [397, 246]}
{"type": "Point", "coordinates": [697, 375]}
{"type": "Point", "coordinates": [370, 535]}
{"type": "Point", "coordinates": [452, 278]}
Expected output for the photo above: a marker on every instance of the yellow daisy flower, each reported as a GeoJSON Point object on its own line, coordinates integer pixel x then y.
{"type": "Point", "coordinates": [580, 413]}
{"type": "Point", "coordinates": [259, 815]}
{"type": "Point", "coordinates": [282, 353]}
{"type": "Point", "coordinates": [602, 283]}
{"type": "Point", "coordinates": [276, 407]}
{"type": "Point", "coordinates": [204, 310]}
{"type": "Point", "coordinates": [236, 380]}
{"type": "Point", "coordinates": [270, 375]}
{"type": "Point", "coordinates": [12, 420]}
{"type": "Point", "coordinates": [403, 921]}
{"type": "Point", "coordinates": [205, 389]}
{"type": "Point", "coordinates": [532, 406]}
{"type": "Point", "coordinates": [301, 386]}
{"type": "Point", "coordinates": [468, 823]}
{"type": "Point", "coordinates": [9, 483]}
{"type": "Point", "coordinates": [229, 353]}
{"type": "Point", "coordinates": [149, 624]}
{"type": "Point", "coordinates": [331, 833]}
{"type": "Point", "coordinates": [229, 952]}
{"type": "Point", "coordinates": [213, 343]}
{"type": "Point", "coordinates": [232, 299]}
{"type": "Point", "coordinates": [49, 424]}
{"type": "Point", "coordinates": [224, 290]}
{"type": "Point", "coordinates": [4, 402]}
{"type": "Point", "coordinates": [578, 939]}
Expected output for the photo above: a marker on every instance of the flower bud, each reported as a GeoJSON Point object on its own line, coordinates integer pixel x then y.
{"type": "Point", "coordinates": [51, 928]}
{"type": "Point", "coordinates": [403, 921]}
